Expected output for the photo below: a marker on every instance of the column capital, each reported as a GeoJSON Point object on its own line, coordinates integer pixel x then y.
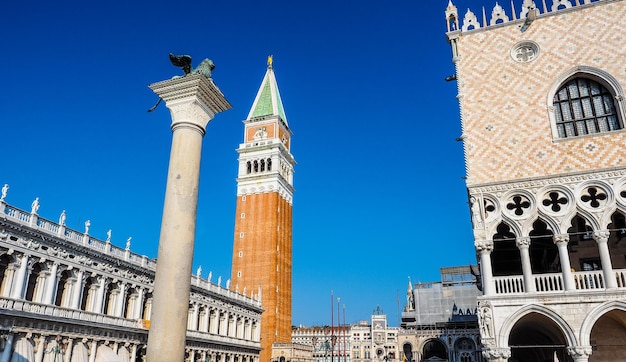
{"type": "Point", "coordinates": [484, 245]}
{"type": "Point", "coordinates": [601, 236]}
{"type": "Point", "coordinates": [561, 239]}
{"type": "Point", "coordinates": [192, 99]}
{"type": "Point", "coordinates": [579, 351]}
{"type": "Point", "coordinates": [497, 354]}
{"type": "Point", "coordinates": [522, 242]}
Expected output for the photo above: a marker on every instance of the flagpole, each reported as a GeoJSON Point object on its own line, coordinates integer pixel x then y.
{"type": "Point", "coordinates": [332, 327]}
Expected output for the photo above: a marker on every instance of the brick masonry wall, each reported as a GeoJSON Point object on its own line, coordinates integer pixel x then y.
{"type": "Point", "coordinates": [264, 236]}
{"type": "Point", "coordinates": [504, 107]}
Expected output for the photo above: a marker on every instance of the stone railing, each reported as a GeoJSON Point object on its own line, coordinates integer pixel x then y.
{"type": "Point", "coordinates": [509, 284]}
{"type": "Point", "coordinates": [77, 237]}
{"type": "Point", "coordinates": [553, 282]}
{"type": "Point", "coordinates": [85, 240]}
{"type": "Point", "coordinates": [55, 311]}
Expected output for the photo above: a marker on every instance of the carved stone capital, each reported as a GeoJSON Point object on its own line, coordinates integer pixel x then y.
{"type": "Point", "coordinates": [523, 242]}
{"type": "Point", "coordinates": [579, 351]}
{"type": "Point", "coordinates": [601, 236]}
{"type": "Point", "coordinates": [561, 239]}
{"type": "Point", "coordinates": [497, 354]}
{"type": "Point", "coordinates": [484, 245]}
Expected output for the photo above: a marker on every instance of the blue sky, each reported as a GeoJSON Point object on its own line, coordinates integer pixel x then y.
{"type": "Point", "coordinates": [379, 194]}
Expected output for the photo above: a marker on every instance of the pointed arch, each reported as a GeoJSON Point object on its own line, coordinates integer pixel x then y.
{"type": "Point", "coordinates": [544, 254]}
{"type": "Point", "coordinates": [509, 323]}
{"type": "Point", "coordinates": [595, 314]}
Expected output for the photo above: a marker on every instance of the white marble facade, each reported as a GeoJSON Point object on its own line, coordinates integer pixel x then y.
{"type": "Point", "coordinates": [66, 296]}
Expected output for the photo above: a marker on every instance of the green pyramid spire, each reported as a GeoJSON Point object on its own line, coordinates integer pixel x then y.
{"type": "Point", "coordinates": [268, 101]}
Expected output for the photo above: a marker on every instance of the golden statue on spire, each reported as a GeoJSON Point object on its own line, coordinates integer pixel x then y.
{"type": "Point", "coordinates": [270, 59]}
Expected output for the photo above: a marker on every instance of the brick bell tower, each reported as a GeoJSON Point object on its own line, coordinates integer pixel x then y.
{"type": "Point", "coordinates": [262, 252]}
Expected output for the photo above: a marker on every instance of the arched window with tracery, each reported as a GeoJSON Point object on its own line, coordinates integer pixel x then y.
{"type": "Point", "coordinates": [585, 101]}
{"type": "Point", "coordinates": [583, 106]}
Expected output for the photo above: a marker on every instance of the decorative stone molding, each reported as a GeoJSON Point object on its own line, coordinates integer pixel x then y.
{"type": "Point", "coordinates": [580, 351]}
{"type": "Point", "coordinates": [561, 239]}
{"type": "Point", "coordinates": [522, 242]}
{"type": "Point", "coordinates": [497, 354]}
{"type": "Point", "coordinates": [484, 245]}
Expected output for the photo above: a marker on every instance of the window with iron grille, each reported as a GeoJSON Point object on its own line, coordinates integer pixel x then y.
{"type": "Point", "coordinates": [583, 106]}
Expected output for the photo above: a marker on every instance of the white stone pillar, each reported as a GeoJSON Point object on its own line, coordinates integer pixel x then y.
{"type": "Point", "coordinates": [485, 247]}
{"type": "Point", "coordinates": [99, 302]}
{"type": "Point", "coordinates": [580, 353]}
{"type": "Point", "coordinates": [213, 322]}
{"type": "Point", "coordinates": [193, 100]}
{"type": "Point", "coordinates": [41, 348]}
{"type": "Point", "coordinates": [8, 280]}
{"type": "Point", "coordinates": [77, 289]}
{"type": "Point", "coordinates": [121, 299]}
{"type": "Point", "coordinates": [8, 348]}
{"type": "Point", "coordinates": [93, 350]}
{"type": "Point", "coordinates": [51, 284]}
{"type": "Point", "coordinates": [68, 350]}
{"type": "Point", "coordinates": [139, 303]}
{"type": "Point", "coordinates": [523, 244]}
{"type": "Point", "coordinates": [20, 279]}
{"type": "Point", "coordinates": [561, 241]}
{"type": "Point", "coordinates": [602, 238]}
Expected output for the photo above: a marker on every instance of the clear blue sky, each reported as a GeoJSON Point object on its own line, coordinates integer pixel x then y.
{"type": "Point", "coordinates": [379, 194]}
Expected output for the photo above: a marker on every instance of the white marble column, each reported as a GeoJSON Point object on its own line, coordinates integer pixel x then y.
{"type": "Point", "coordinates": [139, 303]}
{"type": "Point", "coordinates": [8, 280]}
{"type": "Point", "coordinates": [20, 279]}
{"type": "Point", "coordinates": [40, 348]}
{"type": "Point", "coordinates": [68, 350]}
{"type": "Point", "coordinates": [51, 284]}
{"type": "Point", "coordinates": [602, 238]}
{"type": "Point", "coordinates": [93, 350]}
{"type": "Point", "coordinates": [523, 244]}
{"type": "Point", "coordinates": [485, 247]}
{"type": "Point", "coordinates": [77, 289]}
{"type": "Point", "coordinates": [213, 322]}
{"type": "Point", "coordinates": [121, 299]}
{"type": "Point", "coordinates": [561, 241]}
{"type": "Point", "coordinates": [193, 100]}
{"type": "Point", "coordinates": [99, 302]}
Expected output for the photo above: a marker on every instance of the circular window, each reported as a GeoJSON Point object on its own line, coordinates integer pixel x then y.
{"type": "Point", "coordinates": [525, 52]}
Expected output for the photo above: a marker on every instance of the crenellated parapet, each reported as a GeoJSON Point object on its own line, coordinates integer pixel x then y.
{"type": "Point", "coordinates": [528, 11]}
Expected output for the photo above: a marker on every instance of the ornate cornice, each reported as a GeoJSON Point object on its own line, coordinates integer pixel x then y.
{"type": "Point", "coordinates": [547, 181]}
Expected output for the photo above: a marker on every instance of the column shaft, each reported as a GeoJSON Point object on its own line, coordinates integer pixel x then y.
{"type": "Point", "coordinates": [602, 238]}
{"type": "Point", "coordinates": [168, 325]}
{"type": "Point", "coordinates": [523, 244]}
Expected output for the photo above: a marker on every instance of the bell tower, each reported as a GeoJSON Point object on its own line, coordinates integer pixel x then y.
{"type": "Point", "coordinates": [262, 252]}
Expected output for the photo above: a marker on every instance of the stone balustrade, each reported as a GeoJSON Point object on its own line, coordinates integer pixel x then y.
{"type": "Point", "coordinates": [553, 282]}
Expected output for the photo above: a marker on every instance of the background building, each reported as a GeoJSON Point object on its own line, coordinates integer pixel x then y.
{"type": "Point", "coordinates": [542, 110]}
{"type": "Point", "coordinates": [439, 320]}
{"type": "Point", "coordinates": [262, 250]}
{"type": "Point", "coordinates": [67, 296]}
